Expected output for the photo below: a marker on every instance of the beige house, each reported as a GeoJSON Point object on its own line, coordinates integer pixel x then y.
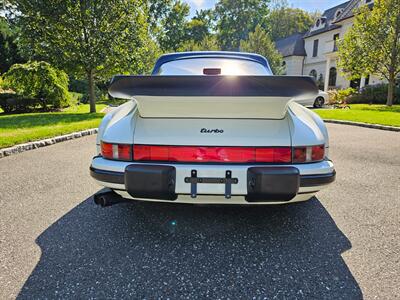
{"type": "Point", "coordinates": [314, 52]}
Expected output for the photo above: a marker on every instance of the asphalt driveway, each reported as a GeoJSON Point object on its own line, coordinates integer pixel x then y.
{"type": "Point", "coordinates": [344, 244]}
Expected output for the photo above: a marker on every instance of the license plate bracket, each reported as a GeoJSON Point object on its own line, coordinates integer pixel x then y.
{"type": "Point", "coordinates": [227, 180]}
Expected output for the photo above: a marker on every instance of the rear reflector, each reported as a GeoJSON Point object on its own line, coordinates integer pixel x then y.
{"type": "Point", "coordinates": [318, 153]}
{"type": "Point", "coordinates": [107, 150]}
{"type": "Point", "coordinates": [212, 154]}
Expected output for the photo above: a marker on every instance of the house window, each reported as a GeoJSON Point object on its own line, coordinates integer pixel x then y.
{"type": "Point", "coordinates": [338, 13]}
{"type": "Point", "coordinates": [332, 76]}
{"type": "Point", "coordinates": [315, 48]}
{"type": "Point", "coordinates": [335, 40]}
{"type": "Point", "coordinates": [313, 73]}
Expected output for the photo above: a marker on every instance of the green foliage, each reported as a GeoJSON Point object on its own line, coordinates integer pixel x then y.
{"type": "Point", "coordinates": [340, 96]}
{"type": "Point", "coordinates": [9, 53]}
{"type": "Point", "coordinates": [375, 114]}
{"type": "Point", "coordinates": [174, 26]}
{"type": "Point", "coordinates": [13, 103]}
{"type": "Point", "coordinates": [260, 42]}
{"type": "Point", "coordinates": [284, 21]}
{"type": "Point", "coordinates": [372, 45]}
{"type": "Point", "coordinates": [199, 27]}
{"type": "Point", "coordinates": [81, 87]}
{"type": "Point", "coordinates": [236, 19]}
{"type": "Point", "coordinates": [209, 43]}
{"type": "Point", "coordinates": [92, 38]}
{"type": "Point", "coordinates": [157, 11]}
{"type": "Point", "coordinates": [374, 94]}
{"type": "Point", "coordinates": [40, 81]}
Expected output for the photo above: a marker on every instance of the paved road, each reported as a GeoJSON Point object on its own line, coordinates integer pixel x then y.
{"type": "Point", "coordinates": [55, 243]}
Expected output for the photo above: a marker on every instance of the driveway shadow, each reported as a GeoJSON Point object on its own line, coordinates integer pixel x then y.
{"type": "Point", "coordinates": [152, 250]}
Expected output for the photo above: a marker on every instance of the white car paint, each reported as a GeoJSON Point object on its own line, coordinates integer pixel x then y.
{"type": "Point", "coordinates": [125, 125]}
{"type": "Point", "coordinates": [252, 121]}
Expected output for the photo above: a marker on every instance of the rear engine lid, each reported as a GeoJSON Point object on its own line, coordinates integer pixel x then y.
{"type": "Point", "coordinates": [212, 132]}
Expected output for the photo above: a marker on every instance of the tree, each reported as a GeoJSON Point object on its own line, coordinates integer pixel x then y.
{"type": "Point", "coordinates": [40, 81]}
{"type": "Point", "coordinates": [199, 27]}
{"type": "Point", "coordinates": [94, 38]}
{"type": "Point", "coordinates": [9, 52]}
{"type": "Point", "coordinates": [284, 21]}
{"type": "Point", "coordinates": [372, 45]}
{"type": "Point", "coordinates": [260, 42]}
{"type": "Point", "coordinates": [174, 27]}
{"type": "Point", "coordinates": [209, 43]}
{"type": "Point", "coordinates": [157, 11]}
{"type": "Point", "coordinates": [236, 19]}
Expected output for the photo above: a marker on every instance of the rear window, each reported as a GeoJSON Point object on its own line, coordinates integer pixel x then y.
{"type": "Point", "coordinates": [228, 66]}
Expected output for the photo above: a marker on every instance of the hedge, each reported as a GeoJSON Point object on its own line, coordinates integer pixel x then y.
{"type": "Point", "coordinates": [35, 84]}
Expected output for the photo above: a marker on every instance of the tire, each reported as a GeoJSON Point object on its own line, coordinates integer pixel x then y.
{"type": "Point", "coordinates": [319, 102]}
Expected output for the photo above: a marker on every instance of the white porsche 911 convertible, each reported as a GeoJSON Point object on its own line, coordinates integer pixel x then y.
{"type": "Point", "coordinates": [211, 128]}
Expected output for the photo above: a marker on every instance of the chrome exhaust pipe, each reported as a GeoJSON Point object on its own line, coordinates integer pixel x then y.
{"type": "Point", "coordinates": [107, 198]}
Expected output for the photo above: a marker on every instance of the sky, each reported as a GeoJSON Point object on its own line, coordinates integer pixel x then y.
{"type": "Point", "coordinates": [310, 5]}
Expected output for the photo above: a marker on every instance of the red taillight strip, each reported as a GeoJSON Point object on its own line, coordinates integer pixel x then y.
{"type": "Point", "coordinates": [212, 154]}
{"type": "Point", "coordinates": [302, 154]}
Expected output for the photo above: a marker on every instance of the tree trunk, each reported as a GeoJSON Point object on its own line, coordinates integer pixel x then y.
{"type": "Point", "coordinates": [92, 94]}
{"type": "Point", "coordinates": [392, 82]}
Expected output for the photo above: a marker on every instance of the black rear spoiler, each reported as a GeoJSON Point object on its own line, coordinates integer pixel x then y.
{"type": "Point", "coordinates": [126, 87]}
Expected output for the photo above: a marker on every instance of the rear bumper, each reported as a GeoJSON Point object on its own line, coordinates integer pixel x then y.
{"type": "Point", "coordinates": [176, 182]}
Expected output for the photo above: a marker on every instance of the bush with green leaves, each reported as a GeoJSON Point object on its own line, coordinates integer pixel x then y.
{"type": "Point", "coordinates": [41, 81]}
{"type": "Point", "coordinates": [12, 103]}
{"type": "Point", "coordinates": [340, 96]}
{"type": "Point", "coordinates": [375, 94]}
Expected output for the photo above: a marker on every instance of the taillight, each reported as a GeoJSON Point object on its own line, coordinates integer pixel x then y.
{"type": "Point", "coordinates": [116, 151]}
{"type": "Point", "coordinates": [212, 154]}
{"type": "Point", "coordinates": [308, 154]}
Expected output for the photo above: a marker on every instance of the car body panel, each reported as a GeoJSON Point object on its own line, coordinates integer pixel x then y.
{"type": "Point", "coordinates": [225, 132]}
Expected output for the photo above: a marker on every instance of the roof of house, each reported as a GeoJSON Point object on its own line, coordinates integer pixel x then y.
{"type": "Point", "coordinates": [292, 45]}
{"type": "Point", "coordinates": [348, 12]}
{"type": "Point", "coordinates": [329, 16]}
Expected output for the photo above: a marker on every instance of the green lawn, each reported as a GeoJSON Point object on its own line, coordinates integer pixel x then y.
{"type": "Point", "coordinates": [375, 114]}
{"type": "Point", "coordinates": [21, 128]}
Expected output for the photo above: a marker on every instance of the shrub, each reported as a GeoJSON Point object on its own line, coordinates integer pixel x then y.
{"type": "Point", "coordinates": [41, 81]}
{"type": "Point", "coordinates": [340, 96]}
{"type": "Point", "coordinates": [11, 102]}
{"type": "Point", "coordinates": [374, 94]}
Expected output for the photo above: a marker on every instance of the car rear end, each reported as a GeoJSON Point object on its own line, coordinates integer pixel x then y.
{"type": "Point", "coordinates": [212, 138]}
